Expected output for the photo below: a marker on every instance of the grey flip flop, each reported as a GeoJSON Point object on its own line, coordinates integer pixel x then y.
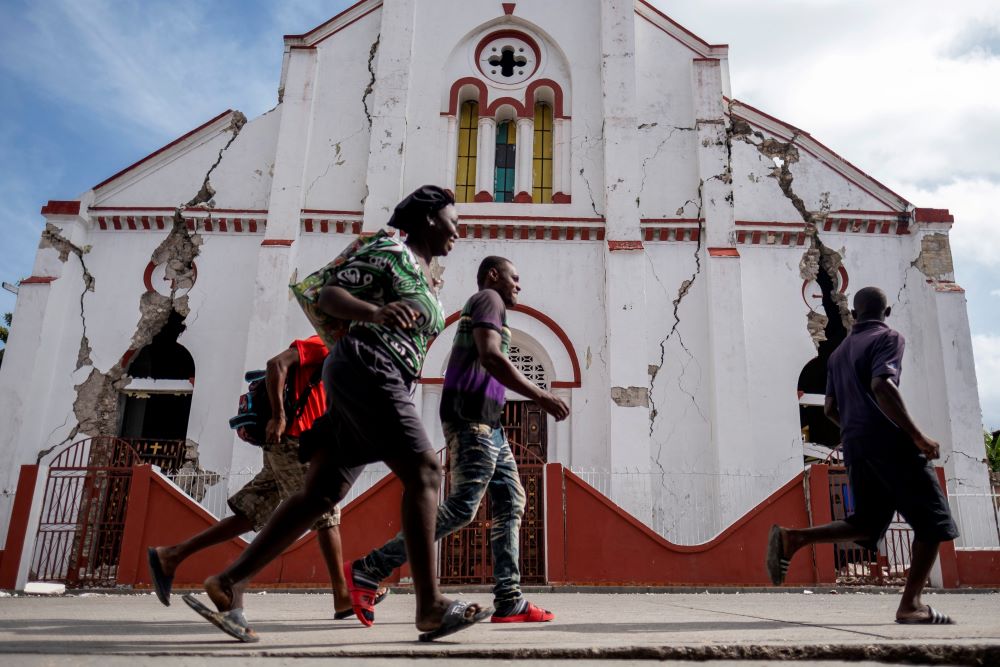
{"type": "Point", "coordinates": [161, 582]}
{"type": "Point", "coordinates": [776, 562]}
{"type": "Point", "coordinates": [934, 617]}
{"type": "Point", "coordinates": [232, 622]}
{"type": "Point", "coordinates": [455, 619]}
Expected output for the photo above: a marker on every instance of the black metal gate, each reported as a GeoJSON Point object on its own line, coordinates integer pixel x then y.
{"type": "Point", "coordinates": [465, 555]}
{"type": "Point", "coordinates": [859, 566]}
{"type": "Point", "coordinates": [83, 513]}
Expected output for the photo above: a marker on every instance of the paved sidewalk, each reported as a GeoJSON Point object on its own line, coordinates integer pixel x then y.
{"type": "Point", "coordinates": [754, 626]}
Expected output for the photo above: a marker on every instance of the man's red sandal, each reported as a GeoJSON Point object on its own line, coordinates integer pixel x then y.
{"type": "Point", "coordinates": [532, 614]}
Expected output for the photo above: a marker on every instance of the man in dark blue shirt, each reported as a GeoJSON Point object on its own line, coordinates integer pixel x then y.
{"type": "Point", "coordinates": [887, 457]}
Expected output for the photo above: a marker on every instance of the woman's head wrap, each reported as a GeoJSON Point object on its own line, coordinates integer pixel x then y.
{"type": "Point", "coordinates": [412, 212]}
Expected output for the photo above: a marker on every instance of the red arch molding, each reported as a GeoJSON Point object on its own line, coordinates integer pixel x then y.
{"type": "Point", "coordinates": [520, 107]}
{"type": "Point", "coordinates": [575, 383]}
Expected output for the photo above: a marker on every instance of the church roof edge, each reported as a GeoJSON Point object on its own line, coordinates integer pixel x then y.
{"type": "Point", "coordinates": [163, 149]}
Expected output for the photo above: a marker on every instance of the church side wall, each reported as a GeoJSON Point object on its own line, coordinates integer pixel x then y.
{"type": "Point", "coordinates": [339, 139]}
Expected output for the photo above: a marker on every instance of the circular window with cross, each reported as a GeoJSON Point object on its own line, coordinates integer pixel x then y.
{"type": "Point", "coordinates": [508, 57]}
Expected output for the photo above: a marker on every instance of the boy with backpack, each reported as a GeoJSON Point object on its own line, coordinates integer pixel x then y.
{"type": "Point", "coordinates": [296, 398]}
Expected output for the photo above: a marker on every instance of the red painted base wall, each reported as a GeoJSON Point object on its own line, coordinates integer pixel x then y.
{"type": "Point", "coordinates": [596, 542]}
{"type": "Point", "coordinates": [159, 514]}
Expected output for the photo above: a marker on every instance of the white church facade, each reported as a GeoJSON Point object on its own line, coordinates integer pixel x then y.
{"type": "Point", "coordinates": [686, 259]}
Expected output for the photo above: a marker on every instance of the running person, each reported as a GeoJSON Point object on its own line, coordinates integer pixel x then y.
{"type": "Point", "coordinates": [887, 457]}
{"type": "Point", "coordinates": [281, 476]}
{"type": "Point", "coordinates": [472, 403]}
{"type": "Point", "coordinates": [385, 290]}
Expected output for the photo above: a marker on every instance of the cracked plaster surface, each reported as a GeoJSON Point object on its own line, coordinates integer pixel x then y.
{"type": "Point", "coordinates": [97, 397]}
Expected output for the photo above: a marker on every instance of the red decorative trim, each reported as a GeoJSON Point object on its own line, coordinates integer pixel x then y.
{"type": "Point", "coordinates": [671, 221]}
{"type": "Point", "coordinates": [575, 383]}
{"type": "Point", "coordinates": [483, 196]}
{"type": "Point", "coordinates": [509, 33]}
{"type": "Point", "coordinates": [301, 48]}
{"type": "Point", "coordinates": [678, 234]}
{"type": "Point", "coordinates": [277, 242]}
{"type": "Point", "coordinates": [168, 146]}
{"type": "Point", "coordinates": [523, 198]}
{"type": "Point", "coordinates": [614, 246]}
{"type": "Point", "coordinates": [533, 218]}
{"type": "Point", "coordinates": [326, 23]}
{"type": "Point", "coordinates": [55, 207]}
{"type": "Point", "coordinates": [320, 211]}
{"type": "Point", "coordinates": [508, 8]}
{"type": "Point", "coordinates": [168, 209]}
{"type": "Point", "coordinates": [562, 198]}
{"type": "Point", "coordinates": [521, 108]}
{"type": "Point", "coordinates": [755, 223]}
{"type": "Point", "coordinates": [37, 280]}
{"type": "Point", "coordinates": [933, 215]}
{"type": "Point", "coordinates": [706, 60]}
{"type": "Point", "coordinates": [557, 94]}
{"type": "Point", "coordinates": [723, 252]}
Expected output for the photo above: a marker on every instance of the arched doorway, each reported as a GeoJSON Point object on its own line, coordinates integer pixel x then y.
{"type": "Point", "coordinates": [157, 400]}
{"type": "Point", "coordinates": [465, 555]}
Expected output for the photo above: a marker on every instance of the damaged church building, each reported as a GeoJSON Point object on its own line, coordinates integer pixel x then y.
{"type": "Point", "coordinates": [687, 264]}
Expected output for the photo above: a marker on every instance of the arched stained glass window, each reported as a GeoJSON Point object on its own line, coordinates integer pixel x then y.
{"type": "Point", "coordinates": [541, 164]}
{"type": "Point", "coordinates": [468, 136]}
{"type": "Point", "coordinates": [506, 157]}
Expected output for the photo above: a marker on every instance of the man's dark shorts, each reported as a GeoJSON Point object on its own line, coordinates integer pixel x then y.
{"type": "Point", "coordinates": [909, 486]}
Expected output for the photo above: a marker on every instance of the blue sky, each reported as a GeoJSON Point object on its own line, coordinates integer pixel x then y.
{"type": "Point", "coordinates": [904, 90]}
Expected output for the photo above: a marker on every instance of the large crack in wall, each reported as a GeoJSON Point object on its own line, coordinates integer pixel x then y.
{"type": "Point", "coordinates": [96, 406]}
{"type": "Point", "coordinates": [819, 262]}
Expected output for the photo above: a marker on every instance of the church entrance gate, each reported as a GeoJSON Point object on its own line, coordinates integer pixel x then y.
{"type": "Point", "coordinates": [465, 554]}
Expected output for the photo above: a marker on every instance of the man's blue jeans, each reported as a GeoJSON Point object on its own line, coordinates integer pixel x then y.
{"type": "Point", "coordinates": [481, 462]}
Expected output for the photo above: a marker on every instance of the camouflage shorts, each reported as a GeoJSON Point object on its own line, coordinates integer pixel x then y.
{"type": "Point", "coordinates": [281, 476]}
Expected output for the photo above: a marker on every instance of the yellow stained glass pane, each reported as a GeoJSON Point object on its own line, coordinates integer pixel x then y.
{"type": "Point", "coordinates": [468, 136]}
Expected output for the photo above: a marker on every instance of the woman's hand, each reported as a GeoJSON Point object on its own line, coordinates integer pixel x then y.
{"type": "Point", "coordinates": [395, 314]}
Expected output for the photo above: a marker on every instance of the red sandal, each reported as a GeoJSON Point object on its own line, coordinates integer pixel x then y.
{"type": "Point", "coordinates": [362, 596]}
{"type": "Point", "coordinates": [531, 614]}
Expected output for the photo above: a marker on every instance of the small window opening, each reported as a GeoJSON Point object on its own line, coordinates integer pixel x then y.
{"type": "Point", "coordinates": [507, 62]}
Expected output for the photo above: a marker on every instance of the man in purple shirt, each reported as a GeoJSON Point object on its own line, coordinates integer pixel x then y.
{"type": "Point", "coordinates": [481, 460]}
{"type": "Point", "coordinates": [887, 457]}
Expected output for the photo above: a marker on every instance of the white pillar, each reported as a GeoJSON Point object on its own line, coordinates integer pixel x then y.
{"type": "Point", "coordinates": [729, 374]}
{"type": "Point", "coordinates": [388, 105]}
{"type": "Point", "coordinates": [560, 434]}
{"type": "Point", "coordinates": [451, 157]}
{"type": "Point", "coordinates": [486, 156]}
{"type": "Point", "coordinates": [430, 410]}
{"type": "Point", "coordinates": [277, 258]}
{"type": "Point", "coordinates": [525, 157]}
{"type": "Point", "coordinates": [625, 264]}
{"type": "Point", "coordinates": [962, 441]}
{"type": "Point", "coordinates": [561, 178]}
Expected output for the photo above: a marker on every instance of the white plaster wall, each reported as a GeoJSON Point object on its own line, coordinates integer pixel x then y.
{"type": "Point", "coordinates": [216, 335]}
{"type": "Point", "coordinates": [757, 195]}
{"type": "Point", "coordinates": [683, 462]}
{"type": "Point", "coordinates": [172, 179]}
{"type": "Point", "coordinates": [243, 178]}
{"type": "Point", "coordinates": [666, 125]}
{"type": "Point", "coordinates": [339, 139]}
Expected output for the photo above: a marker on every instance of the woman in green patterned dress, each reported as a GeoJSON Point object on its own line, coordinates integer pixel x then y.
{"type": "Point", "coordinates": [386, 290]}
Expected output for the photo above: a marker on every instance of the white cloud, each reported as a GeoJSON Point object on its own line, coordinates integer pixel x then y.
{"type": "Point", "coordinates": [987, 352]}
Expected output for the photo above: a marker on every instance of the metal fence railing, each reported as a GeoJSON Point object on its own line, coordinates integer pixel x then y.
{"type": "Point", "coordinates": [213, 489]}
{"type": "Point", "coordinates": [685, 508]}
{"type": "Point", "coordinates": [978, 519]}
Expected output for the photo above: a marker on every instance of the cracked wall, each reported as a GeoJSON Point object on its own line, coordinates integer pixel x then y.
{"type": "Point", "coordinates": [97, 401]}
